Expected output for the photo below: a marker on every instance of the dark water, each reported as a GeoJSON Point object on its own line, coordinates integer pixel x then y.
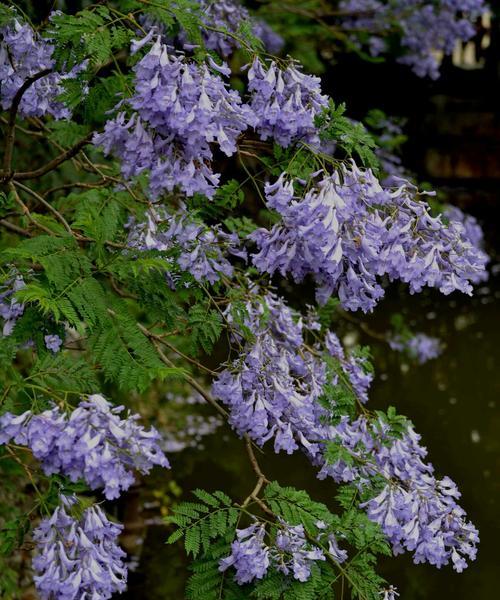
{"type": "Point", "coordinates": [453, 402]}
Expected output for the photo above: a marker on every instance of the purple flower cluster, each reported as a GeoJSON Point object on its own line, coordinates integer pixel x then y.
{"type": "Point", "coordinates": [181, 108]}
{"type": "Point", "coordinates": [419, 347]}
{"type": "Point", "coordinates": [249, 554]}
{"type": "Point", "coordinates": [293, 553]}
{"type": "Point", "coordinates": [78, 557]}
{"type": "Point", "coordinates": [416, 511]}
{"type": "Point", "coordinates": [92, 443]}
{"type": "Point", "coordinates": [23, 54]}
{"type": "Point", "coordinates": [428, 30]}
{"type": "Point", "coordinates": [285, 103]}
{"type": "Point", "coordinates": [290, 553]}
{"type": "Point", "coordinates": [53, 343]}
{"type": "Point", "coordinates": [229, 15]}
{"type": "Point", "coordinates": [10, 308]}
{"type": "Point", "coordinates": [347, 230]}
{"type": "Point", "coordinates": [474, 233]}
{"type": "Point", "coordinates": [196, 248]}
{"type": "Point", "coordinates": [273, 387]}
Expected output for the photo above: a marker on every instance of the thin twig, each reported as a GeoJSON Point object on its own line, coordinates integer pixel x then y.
{"type": "Point", "coordinates": [47, 205]}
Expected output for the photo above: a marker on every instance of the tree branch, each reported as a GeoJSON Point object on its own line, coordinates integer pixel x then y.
{"type": "Point", "coordinates": [11, 125]}
{"type": "Point", "coordinates": [53, 164]}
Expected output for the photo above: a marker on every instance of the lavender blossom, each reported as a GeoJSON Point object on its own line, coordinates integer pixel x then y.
{"type": "Point", "coordinates": [347, 230]}
{"type": "Point", "coordinates": [249, 555]}
{"type": "Point", "coordinates": [472, 231]}
{"type": "Point", "coordinates": [181, 108]}
{"type": "Point", "coordinates": [273, 387]}
{"type": "Point", "coordinates": [194, 247]}
{"type": "Point", "coordinates": [292, 553]}
{"type": "Point", "coordinates": [229, 15]}
{"type": "Point", "coordinates": [78, 557]}
{"type": "Point", "coordinates": [92, 443]}
{"type": "Point", "coordinates": [53, 343]}
{"type": "Point", "coordinates": [23, 53]}
{"type": "Point", "coordinates": [285, 103]}
{"type": "Point", "coordinates": [353, 367]}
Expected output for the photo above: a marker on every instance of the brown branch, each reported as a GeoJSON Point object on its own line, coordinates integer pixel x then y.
{"type": "Point", "coordinates": [26, 210]}
{"type": "Point", "coordinates": [11, 126]}
{"type": "Point", "coordinates": [53, 164]}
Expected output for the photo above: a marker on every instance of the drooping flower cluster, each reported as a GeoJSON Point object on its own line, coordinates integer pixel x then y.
{"type": "Point", "coordinates": [181, 108]}
{"type": "Point", "coordinates": [91, 443]}
{"type": "Point", "coordinates": [427, 30]}
{"type": "Point", "coordinates": [24, 54]}
{"type": "Point", "coordinates": [230, 15]}
{"type": "Point", "coordinates": [347, 230]}
{"type": "Point", "coordinates": [285, 103]}
{"type": "Point", "coordinates": [195, 247]}
{"type": "Point", "coordinates": [419, 347]}
{"type": "Point", "coordinates": [78, 557]}
{"type": "Point", "coordinates": [10, 308]}
{"type": "Point", "coordinates": [417, 511]}
{"type": "Point", "coordinates": [474, 233]}
{"type": "Point", "coordinates": [290, 553]}
{"type": "Point", "coordinates": [273, 387]}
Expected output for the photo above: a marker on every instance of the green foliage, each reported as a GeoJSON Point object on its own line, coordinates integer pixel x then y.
{"type": "Point", "coordinates": [398, 424]}
{"type": "Point", "coordinates": [296, 506]}
{"type": "Point", "coordinates": [350, 136]}
{"type": "Point", "coordinates": [199, 523]}
{"type": "Point", "coordinates": [205, 326]}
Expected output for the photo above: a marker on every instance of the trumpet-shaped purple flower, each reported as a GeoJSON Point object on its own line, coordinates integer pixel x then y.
{"type": "Point", "coordinates": [273, 387]}
{"type": "Point", "coordinates": [285, 103]}
{"type": "Point", "coordinates": [195, 247]}
{"type": "Point", "coordinates": [249, 555]}
{"type": "Point", "coordinates": [293, 553]}
{"type": "Point", "coordinates": [229, 15]}
{"type": "Point", "coordinates": [181, 108]}
{"type": "Point", "coordinates": [474, 233]}
{"type": "Point", "coordinates": [91, 443]}
{"type": "Point", "coordinates": [348, 230]}
{"type": "Point", "coordinates": [78, 557]}
{"type": "Point", "coordinates": [290, 553]}
{"type": "Point", "coordinates": [23, 54]}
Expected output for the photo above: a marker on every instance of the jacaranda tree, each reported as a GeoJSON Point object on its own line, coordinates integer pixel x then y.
{"type": "Point", "coordinates": [174, 186]}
